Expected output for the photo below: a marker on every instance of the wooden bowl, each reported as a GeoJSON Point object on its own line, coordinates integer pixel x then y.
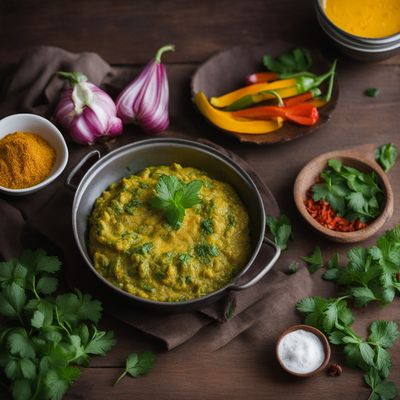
{"type": "Point", "coordinates": [226, 71]}
{"type": "Point", "coordinates": [362, 158]}
{"type": "Point", "coordinates": [321, 337]}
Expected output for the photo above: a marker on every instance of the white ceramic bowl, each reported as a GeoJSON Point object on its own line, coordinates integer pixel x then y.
{"type": "Point", "coordinates": [44, 128]}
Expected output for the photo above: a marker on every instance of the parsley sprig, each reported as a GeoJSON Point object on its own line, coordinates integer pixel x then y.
{"type": "Point", "coordinates": [173, 196]}
{"type": "Point", "coordinates": [46, 337]}
{"type": "Point", "coordinates": [335, 319]}
{"type": "Point", "coordinates": [351, 193]}
{"type": "Point", "coordinates": [372, 273]}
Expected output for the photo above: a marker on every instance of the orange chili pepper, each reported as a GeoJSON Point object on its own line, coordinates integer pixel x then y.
{"type": "Point", "coordinates": [302, 114]}
{"type": "Point", "coordinates": [301, 98]}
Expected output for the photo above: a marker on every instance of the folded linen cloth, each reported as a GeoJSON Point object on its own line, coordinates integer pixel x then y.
{"type": "Point", "coordinates": [43, 219]}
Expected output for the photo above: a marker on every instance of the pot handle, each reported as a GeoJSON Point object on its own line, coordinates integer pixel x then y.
{"type": "Point", "coordinates": [256, 278]}
{"type": "Point", "coordinates": [78, 167]}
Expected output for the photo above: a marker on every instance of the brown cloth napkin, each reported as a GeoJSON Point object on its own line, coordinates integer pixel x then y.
{"type": "Point", "coordinates": [43, 219]}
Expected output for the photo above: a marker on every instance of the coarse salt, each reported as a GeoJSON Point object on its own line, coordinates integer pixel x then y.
{"type": "Point", "coordinates": [301, 351]}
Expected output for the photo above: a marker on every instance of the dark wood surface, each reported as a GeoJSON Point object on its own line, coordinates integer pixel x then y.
{"type": "Point", "coordinates": [126, 34]}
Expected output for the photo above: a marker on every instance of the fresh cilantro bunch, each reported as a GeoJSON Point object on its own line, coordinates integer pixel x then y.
{"type": "Point", "coordinates": [45, 337]}
{"type": "Point", "coordinates": [334, 318]}
{"type": "Point", "coordinates": [371, 274]}
{"type": "Point", "coordinates": [386, 155]}
{"type": "Point", "coordinates": [173, 196]}
{"type": "Point", "coordinates": [351, 193]}
{"type": "Point", "coordinates": [298, 60]}
{"type": "Point", "coordinates": [281, 229]}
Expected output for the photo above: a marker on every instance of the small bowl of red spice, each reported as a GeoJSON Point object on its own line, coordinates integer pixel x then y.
{"type": "Point", "coordinates": [344, 195]}
{"type": "Point", "coordinates": [33, 153]}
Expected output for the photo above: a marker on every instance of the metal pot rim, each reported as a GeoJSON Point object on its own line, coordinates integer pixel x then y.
{"type": "Point", "coordinates": [85, 183]}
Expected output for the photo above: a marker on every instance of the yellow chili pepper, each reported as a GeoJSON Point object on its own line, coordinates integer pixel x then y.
{"type": "Point", "coordinates": [229, 98]}
{"type": "Point", "coordinates": [226, 121]}
{"type": "Point", "coordinates": [318, 103]}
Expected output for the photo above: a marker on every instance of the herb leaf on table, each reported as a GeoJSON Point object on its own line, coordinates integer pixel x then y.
{"type": "Point", "coordinates": [173, 196]}
{"type": "Point", "coordinates": [315, 260]}
{"type": "Point", "coordinates": [371, 92]}
{"type": "Point", "coordinates": [332, 268]}
{"type": "Point", "coordinates": [386, 155]}
{"type": "Point", "coordinates": [298, 60]}
{"type": "Point", "coordinates": [281, 229]}
{"type": "Point", "coordinates": [230, 308]}
{"type": "Point", "coordinates": [293, 267]}
{"type": "Point", "coordinates": [138, 364]}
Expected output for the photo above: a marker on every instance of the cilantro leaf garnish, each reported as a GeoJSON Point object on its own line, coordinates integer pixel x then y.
{"type": "Point", "coordinates": [173, 196]}
{"type": "Point", "coordinates": [298, 60]}
{"type": "Point", "coordinates": [315, 260]}
{"type": "Point", "coordinates": [207, 226]}
{"type": "Point", "coordinates": [386, 155]}
{"type": "Point", "coordinates": [353, 194]}
{"type": "Point", "coordinates": [137, 365]}
{"type": "Point", "coordinates": [281, 229]}
{"type": "Point", "coordinates": [205, 251]}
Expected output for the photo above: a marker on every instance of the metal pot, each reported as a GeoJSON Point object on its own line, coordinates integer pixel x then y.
{"type": "Point", "coordinates": [139, 155]}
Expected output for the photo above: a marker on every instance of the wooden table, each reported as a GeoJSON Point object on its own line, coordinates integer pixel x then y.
{"type": "Point", "coordinates": [126, 34]}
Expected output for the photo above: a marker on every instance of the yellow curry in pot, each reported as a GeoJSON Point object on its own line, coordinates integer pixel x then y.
{"type": "Point", "coordinates": [133, 246]}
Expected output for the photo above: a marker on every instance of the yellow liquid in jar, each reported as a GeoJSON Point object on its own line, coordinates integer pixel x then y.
{"type": "Point", "coordinates": [365, 18]}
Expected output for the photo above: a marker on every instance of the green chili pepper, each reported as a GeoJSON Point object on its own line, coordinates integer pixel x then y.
{"type": "Point", "coordinates": [304, 83]}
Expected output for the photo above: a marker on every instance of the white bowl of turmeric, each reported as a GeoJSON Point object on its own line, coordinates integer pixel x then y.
{"type": "Point", "coordinates": [33, 153]}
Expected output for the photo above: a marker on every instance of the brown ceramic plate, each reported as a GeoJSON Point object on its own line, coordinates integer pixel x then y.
{"type": "Point", "coordinates": [360, 157]}
{"type": "Point", "coordinates": [226, 71]}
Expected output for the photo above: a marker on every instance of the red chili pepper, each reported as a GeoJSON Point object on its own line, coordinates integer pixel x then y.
{"type": "Point", "coordinates": [302, 98]}
{"type": "Point", "coordinates": [304, 117]}
{"type": "Point", "coordinates": [260, 77]}
{"type": "Point", "coordinates": [303, 114]}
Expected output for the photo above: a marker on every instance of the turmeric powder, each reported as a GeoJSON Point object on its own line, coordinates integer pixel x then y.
{"type": "Point", "coordinates": [26, 159]}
